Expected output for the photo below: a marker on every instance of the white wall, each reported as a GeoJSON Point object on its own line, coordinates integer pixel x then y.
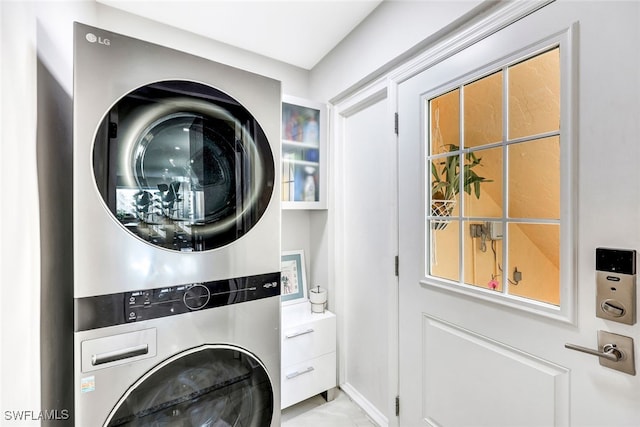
{"type": "Point", "coordinates": [294, 80]}
{"type": "Point", "coordinates": [393, 31]}
{"type": "Point", "coordinates": [36, 90]}
{"type": "Point", "coordinates": [23, 24]}
{"type": "Point", "coordinates": [18, 261]}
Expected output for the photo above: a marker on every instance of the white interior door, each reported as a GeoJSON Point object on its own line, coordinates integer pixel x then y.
{"type": "Point", "coordinates": [471, 358]}
{"type": "Point", "coordinates": [365, 202]}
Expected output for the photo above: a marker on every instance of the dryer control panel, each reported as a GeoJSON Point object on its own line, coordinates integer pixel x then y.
{"type": "Point", "coordinates": [145, 304]}
{"type": "Point", "coordinates": [161, 302]}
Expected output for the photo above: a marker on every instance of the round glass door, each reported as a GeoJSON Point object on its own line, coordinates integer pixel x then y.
{"type": "Point", "coordinates": [207, 386]}
{"type": "Point", "coordinates": [183, 166]}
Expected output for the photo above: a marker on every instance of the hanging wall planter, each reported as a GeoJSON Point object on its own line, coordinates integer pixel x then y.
{"type": "Point", "coordinates": [445, 183]}
{"type": "Point", "coordinates": [442, 208]}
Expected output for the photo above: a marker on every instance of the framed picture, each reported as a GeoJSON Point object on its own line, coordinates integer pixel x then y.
{"type": "Point", "coordinates": [293, 278]}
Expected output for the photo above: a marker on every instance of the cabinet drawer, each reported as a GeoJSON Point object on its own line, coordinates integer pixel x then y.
{"type": "Point", "coordinates": [308, 378]}
{"type": "Point", "coordinates": [308, 340]}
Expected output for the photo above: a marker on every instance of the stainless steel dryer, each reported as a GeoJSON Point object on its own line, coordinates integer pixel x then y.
{"type": "Point", "coordinates": [176, 230]}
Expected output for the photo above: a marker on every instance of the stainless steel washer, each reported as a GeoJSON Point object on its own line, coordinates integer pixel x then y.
{"type": "Point", "coordinates": [192, 355]}
{"type": "Point", "coordinates": [176, 237]}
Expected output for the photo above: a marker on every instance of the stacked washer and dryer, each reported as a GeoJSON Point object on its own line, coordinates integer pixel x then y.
{"type": "Point", "coordinates": [176, 238]}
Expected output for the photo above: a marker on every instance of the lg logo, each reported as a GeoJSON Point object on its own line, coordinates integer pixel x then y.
{"type": "Point", "coordinates": [92, 38]}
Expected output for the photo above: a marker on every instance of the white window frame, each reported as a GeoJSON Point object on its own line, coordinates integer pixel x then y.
{"type": "Point", "coordinates": [566, 311]}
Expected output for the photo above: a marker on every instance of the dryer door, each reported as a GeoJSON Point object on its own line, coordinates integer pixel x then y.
{"type": "Point", "coordinates": [205, 386]}
{"type": "Point", "coordinates": [183, 166]}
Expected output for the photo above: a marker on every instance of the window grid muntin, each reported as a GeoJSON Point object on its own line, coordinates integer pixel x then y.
{"type": "Point", "coordinates": [506, 141]}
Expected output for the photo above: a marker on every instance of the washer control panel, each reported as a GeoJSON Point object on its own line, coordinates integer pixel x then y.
{"type": "Point", "coordinates": [161, 302]}
{"type": "Point", "coordinates": [145, 304]}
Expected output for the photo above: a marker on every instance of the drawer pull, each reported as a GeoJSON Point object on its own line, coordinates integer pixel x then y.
{"type": "Point", "coordinates": [297, 334]}
{"type": "Point", "coordinates": [298, 373]}
{"type": "Point", "coordinates": [113, 356]}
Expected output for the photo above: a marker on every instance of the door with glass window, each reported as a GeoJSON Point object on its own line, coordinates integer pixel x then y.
{"type": "Point", "coordinates": [498, 149]}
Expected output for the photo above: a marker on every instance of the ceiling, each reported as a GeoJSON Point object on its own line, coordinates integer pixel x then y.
{"type": "Point", "coordinates": [298, 32]}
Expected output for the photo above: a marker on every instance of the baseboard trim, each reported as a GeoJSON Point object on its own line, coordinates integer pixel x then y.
{"type": "Point", "coordinates": [371, 411]}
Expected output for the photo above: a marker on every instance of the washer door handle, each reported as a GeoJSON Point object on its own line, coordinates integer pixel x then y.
{"type": "Point", "coordinates": [125, 353]}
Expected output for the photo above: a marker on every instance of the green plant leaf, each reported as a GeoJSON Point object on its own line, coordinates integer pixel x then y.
{"type": "Point", "coordinates": [446, 174]}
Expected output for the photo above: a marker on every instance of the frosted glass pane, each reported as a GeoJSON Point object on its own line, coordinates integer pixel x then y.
{"type": "Point", "coordinates": [445, 122]}
{"type": "Point", "coordinates": [534, 250]}
{"type": "Point", "coordinates": [534, 179]}
{"type": "Point", "coordinates": [483, 111]}
{"type": "Point", "coordinates": [488, 165]}
{"type": "Point", "coordinates": [534, 95]}
{"type": "Point", "coordinates": [482, 260]}
{"type": "Point", "coordinates": [445, 250]}
{"type": "Point", "coordinates": [445, 184]}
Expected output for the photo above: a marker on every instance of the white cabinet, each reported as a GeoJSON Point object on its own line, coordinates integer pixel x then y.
{"type": "Point", "coordinates": [308, 353]}
{"type": "Point", "coordinates": [304, 154]}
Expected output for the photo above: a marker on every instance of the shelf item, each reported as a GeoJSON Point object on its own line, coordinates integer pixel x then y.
{"type": "Point", "coordinates": [304, 180]}
{"type": "Point", "coordinates": [293, 277]}
{"type": "Point", "coordinates": [318, 299]}
{"type": "Point", "coordinates": [308, 353]}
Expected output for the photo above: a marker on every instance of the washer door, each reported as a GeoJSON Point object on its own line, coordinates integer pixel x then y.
{"type": "Point", "coordinates": [205, 386]}
{"type": "Point", "coordinates": [183, 166]}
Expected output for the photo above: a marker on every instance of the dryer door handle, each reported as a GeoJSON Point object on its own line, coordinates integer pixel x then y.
{"type": "Point", "coordinates": [125, 353]}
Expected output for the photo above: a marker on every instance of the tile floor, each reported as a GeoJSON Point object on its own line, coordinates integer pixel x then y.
{"type": "Point", "coordinates": [316, 412]}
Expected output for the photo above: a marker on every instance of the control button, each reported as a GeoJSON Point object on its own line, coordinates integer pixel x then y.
{"type": "Point", "coordinates": [196, 297]}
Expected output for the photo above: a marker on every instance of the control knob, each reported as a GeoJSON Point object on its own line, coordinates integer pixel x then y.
{"type": "Point", "coordinates": [196, 297]}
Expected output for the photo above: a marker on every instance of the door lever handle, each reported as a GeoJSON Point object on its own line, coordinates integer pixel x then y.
{"type": "Point", "coordinates": [614, 352]}
{"type": "Point", "coordinates": [609, 351]}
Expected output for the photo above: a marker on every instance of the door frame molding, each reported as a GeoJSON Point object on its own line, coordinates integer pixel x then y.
{"type": "Point", "coordinates": [450, 44]}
